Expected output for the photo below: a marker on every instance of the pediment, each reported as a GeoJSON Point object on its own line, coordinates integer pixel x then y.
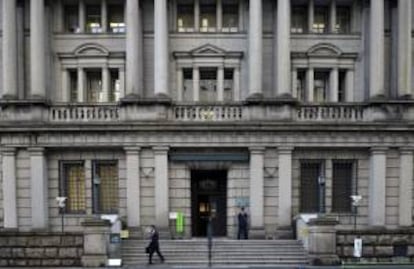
{"type": "Point", "coordinates": [324, 50]}
{"type": "Point", "coordinates": [91, 50]}
{"type": "Point", "coordinates": [209, 50]}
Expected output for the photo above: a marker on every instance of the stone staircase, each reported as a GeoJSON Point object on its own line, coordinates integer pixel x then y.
{"type": "Point", "coordinates": [224, 252]}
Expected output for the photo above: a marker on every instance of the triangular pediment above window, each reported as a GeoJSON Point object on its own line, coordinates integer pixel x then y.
{"type": "Point", "coordinates": [324, 50]}
{"type": "Point", "coordinates": [91, 50]}
{"type": "Point", "coordinates": [208, 49]}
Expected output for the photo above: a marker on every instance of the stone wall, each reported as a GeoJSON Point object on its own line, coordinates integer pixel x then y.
{"type": "Point", "coordinates": [40, 249]}
{"type": "Point", "coordinates": [377, 245]}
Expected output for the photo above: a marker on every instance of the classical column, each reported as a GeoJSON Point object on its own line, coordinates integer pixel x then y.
{"type": "Point", "coordinates": [106, 84]}
{"type": "Point", "coordinates": [332, 13]}
{"type": "Point", "coordinates": [134, 50]}
{"type": "Point", "coordinates": [9, 43]}
{"type": "Point", "coordinates": [404, 48]}
{"type": "Point", "coordinates": [39, 188]}
{"type": "Point", "coordinates": [283, 48]}
{"type": "Point", "coordinates": [376, 49]}
{"type": "Point", "coordinates": [37, 49]}
{"type": "Point", "coordinates": [196, 15]}
{"type": "Point", "coordinates": [121, 75]}
{"type": "Point", "coordinates": [377, 180]}
{"type": "Point", "coordinates": [161, 186]}
{"type": "Point", "coordinates": [349, 85]}
{"type": "Point", "coordinates": [257, 190]}
{"type": "Point", "coordinates": [220, 84]}
{"type": "Point", "coordinates": [255, 47]}
{"type": "Point", "coordinates": [160, 48]}
{"type": "Point", "coordinates": [180, 87]}
{"type": "Point", "coordinates": [285, 186]}
{"type": "Point", "coordinates": [311, 8]}
{"type": "Point", "coordinates": [9, 187]}
{"type": "Point", "coordinates": [219, 15]}
{"type": "Point", "coordinates": [241, 16]}
{"type": "Point", "coordinates": [333, 85]}
{"type": "Point", "coordinates": [196, 84]}
{"type": "Point", "coordinates": [309, 85]}
{"type": "Point", "coordinates": [65, 94]}
{"type": "Point", "coordinates": [406, 187]}
{"type": "Point", "coordinates": [294, 83]}
{"type": "Point", "coordinates": [82, 16]}
{"type": "Point", "coordinates": [236, 84]}
{"type": "Point", "coordinates": [81, 85]}
{"type": "Point", "coordinates": [104, 16]}
{"type": "Point", "coordinates": [133, 193]}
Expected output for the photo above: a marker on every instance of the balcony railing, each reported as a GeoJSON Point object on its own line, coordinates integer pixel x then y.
{"type": "Point", "coordinates": [335, 112]}
{"type": "Point", "coordinates": [208, 113]}
{"type": "Point", "coordinates": [84, 113]}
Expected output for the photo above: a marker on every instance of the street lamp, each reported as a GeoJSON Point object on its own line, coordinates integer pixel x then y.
{"type": "Point", "coordinates": [356, 199]}
{"type": "Point", "coordinates": [61, 200]}
{"type": "Point", "coordinates": [321, 182]}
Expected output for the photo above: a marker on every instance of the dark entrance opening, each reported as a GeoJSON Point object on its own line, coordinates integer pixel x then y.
{"type": "Point", "coordinates": [208, 198]}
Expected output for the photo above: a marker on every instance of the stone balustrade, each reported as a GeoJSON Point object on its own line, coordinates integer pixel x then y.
{"type": "Point", "coordinates": [333, 112]}
{"type": "Point", "coordinates": [83, 113]}
{"type": "Point", "coordinates": [208, 113]}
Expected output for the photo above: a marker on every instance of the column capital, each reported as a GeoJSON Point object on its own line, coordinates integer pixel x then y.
{"type": "Point", "coordinates": [257, 150]}
{"type": "Point", "coordinates": [285, 149]}
{"type": "Point", "coordinates": [378, 149]}
{"type": "Point", "coordinates": [407, 151]}
{"type": "Point", "coordinates": [36, 151]}
{"type": "Point", "coordinates": [160, 149]}
{"type": "Point", "coordinates": [8, 151]}
{"type": "Point", "coordinates": [132, 149]}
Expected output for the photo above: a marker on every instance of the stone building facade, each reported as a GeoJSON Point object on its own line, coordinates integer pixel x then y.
{"type": "Point", "coordinates": [144, 108]}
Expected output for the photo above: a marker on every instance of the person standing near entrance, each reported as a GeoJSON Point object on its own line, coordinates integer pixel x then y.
{"type": "Point", "coordinates": [243, 222]}
{"type": "Point", "coordinates": [154, 245]}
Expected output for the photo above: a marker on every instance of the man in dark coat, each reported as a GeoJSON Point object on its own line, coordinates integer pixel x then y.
{"type": "Point", "coordinates": [154, 245]}
{"type": "Point", "coordinates": [243, 224]}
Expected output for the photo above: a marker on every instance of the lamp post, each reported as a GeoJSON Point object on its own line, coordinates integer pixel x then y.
{"type": "Point", "coordinates": [61, 200]}
{"type": "Point", "coordinates": [356, 199]}
{"type": "Point", "coordinates": [321, 182]}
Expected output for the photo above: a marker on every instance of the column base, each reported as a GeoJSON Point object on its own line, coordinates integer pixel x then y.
{"type": "Point", "coordinates": [164, 232]}
{"type": "Point", "coordinates": [132, 97]}
{"type": "Point", "coordinates": [94, 260]}
{"type": "Point", "coordinates": [405, 97]}
{"type": "Point", "coordinates": [284, 232]}
{"type": "Point", "coordinates": [162, 97]}
{"type": "Point", "coordinates": [254, 97]}
{"type": "Point", "coordinates": [324, 260]}
{"type": "Point", "coordinates": [257, 233]}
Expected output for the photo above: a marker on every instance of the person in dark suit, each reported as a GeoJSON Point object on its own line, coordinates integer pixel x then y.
{"type": "Point", "coordinates": [154, 245]}
{"type": "Point", "coordinates": [242, 218]}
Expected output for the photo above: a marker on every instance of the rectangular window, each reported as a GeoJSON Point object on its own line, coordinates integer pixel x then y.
{"type": "Point", "coordinates": [116, 23]}
{"type": "Point", "coordinates": [341, 85]}
{"type": "Point", "coordinates": [301, 86]}
{"type": "Point", "coordinates": [310, 171]}
{"type": "Point", "coordinates": [299, 20]}
{"type": "Point", "coordinates": [342, 177]}
{"type": "Point", "coordinates": [230, 18]}
{"type": "Point", "coordinates": [208, 84]}
{"type": "Point", "coordinates": [72, 186]}
{"type": "Point", "coordinates": [94, 91]}
{"type": "Point", "coordinates": [185, 18]}
{"type": "Point", "coordinates": [321, 84]}
{"type": "Point", "coordinates": [207, 16]}
{"type": "Point", "coordinates": [73, 86]}
{"type": "Point", "coordinates": [93, 19]}
{"type": "Point", "coordinates": [228, 84]}
{"type": "Point", "coordinates": [188, 84]}
{"type": "Point", "coordinates": [71, 18]}
{"type": "Point", "coordinates": [343, 20]}
{"type": "Point", "coordinates": [320, 24]}
{"type": "Point", "coordinates": [105, 187]}
{"type": "Point", "coordinates": [115, 93]}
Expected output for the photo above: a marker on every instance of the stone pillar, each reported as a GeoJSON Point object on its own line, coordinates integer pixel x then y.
{"type": "Point", "coordinates": [65, 86]}
{"type": "Point", "coordinates": [322, 242]}
{"type": "Point", "coordinates": [309, 85]}
{"type": "Point", "coordinates": [96, 241]}
{"type": "Point", "coordinates": [255, 47]}
{"type": "Point", "coordinates": [122, 81]}
{"type": "Point", "coordinates": [219, 15]}
{"type": "Point", "coordinates": [349, 85]}
{"type": "Point", "coordinates": [134, 50]}
{"type": "Point", "coordinates": [285, 186]}
{"type": "Point", "coordinates": [294, 83]}
{"type": "Point", "coordinates": [39, 188]}
{"type": "Point", "coordinates": [236, 84]}
{"type": "Point", "coordinates": [133, 186]}
{"type": "Point", "coordinates": [104, 16]}
{"type": "Point", "coordinates": [9, 187]}
{"type": "Point", "coordinates": [220, 84]}
{"type": "Point", "coordinates": [196, 15]}
{"type": "Point", "coordinates": [377, 186]}
{"type": "Point", "coordinates": [160, 48]}
{"type": "Point", "coordinates": [406, 187]}
{"type": "Point", "coordinates": [283, 48]}
{"type": "Point", "coordinates": [81, 85]}
{"type": "Point", "coordinates": [332, 13]}
{"type": "Point", "coordinates": [334, 85]}
{"type": "Point", "coordinates": [376, 49]}
{"type": "Point", "coordinates": [256, 192]}
{"type": "Point", "coordinates": [106, 84]}
{"type": "Point", "coordinates": [404, 48]}
{"type": "Point", "coordinates": [161, 188]}
{"type": "Point", "coordinates": [82, 16]}
{"type": "Point", "coordinates": [311, 8]}
{"type": "Point", "coordinates": [196, 84]}
{"type": "Point", "coordinates": [180, 87]}
{"type": "Point", "coordinates": [37, 49]}
{"type": "Point", "coordinates": [9, 43]}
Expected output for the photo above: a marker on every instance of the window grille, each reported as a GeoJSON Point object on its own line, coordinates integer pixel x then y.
{"type": "Point", "coordinates": [72, 186]}
{"type": "Point", "coordinates": [343, 19]}
{"type": "Point", "coordinates": [93, 19]}
{"type": "Point", "coordinates": [207, 17]}
{"type": "Point", "coordinates": [94, 91]}
{"type": "Point", "coordinates": [320, 20]}
{"type": "Point", "coordinates": [185, 18]}
{"type": "Point", "coordinates": [299, 20]}
{"type": "Point", "coordinates": [230, 18]}
{"type": "Point", "coordinates": [116, 21]}
{"type": "Point", "coordinates": [309, 187]}
{"type": "Point", "coordinates": [105, 187]}
{"type": "Point", "coordinates": [71, 18]}
{"type": "Point", "coordinates": [342, 177]}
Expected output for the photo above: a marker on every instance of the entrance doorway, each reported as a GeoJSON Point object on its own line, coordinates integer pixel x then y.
{"type": "Point", "coordinates": [208, 199]}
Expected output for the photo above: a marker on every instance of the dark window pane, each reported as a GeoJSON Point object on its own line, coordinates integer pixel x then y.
{"type": "Point", "coordinates": [73, 74]}
{"type": "Point", "coordinates": [343, 20]}
{"type": "Point", "coordinates": [299, 20]}
{"type": "Point", "coordinates": [115, 92]}
{"type": "Point", "coordinates": [116, 23]}
{"type": "Point", "coordinates": [342, 186]}
{"type": "Point", "coordinates": [207, 17]}
{"type": "Point", "coordinates": [94, 93]}
{"type": "Point", "coordinates": [320, 23]}
{"type": "Point", "coordinates": [71, 14]}
{"type": "Point", "coordinates": [185, 18]}
{"type": "Point", "coordinates": [93, 19]}
{"type": "Point", "coordinates": [230, 18]}
{"type": "Point", "coordinates": [309, 187]}
{"type": "Point", "coordinates": [73, 186]}
{"type": "Point", "coordinates": [105, 187]}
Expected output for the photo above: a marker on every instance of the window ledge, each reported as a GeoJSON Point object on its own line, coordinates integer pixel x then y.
{"type": "Point", "coordinates": [89, 35]}
{"type": "Point", "coordinates": [326, 36]}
